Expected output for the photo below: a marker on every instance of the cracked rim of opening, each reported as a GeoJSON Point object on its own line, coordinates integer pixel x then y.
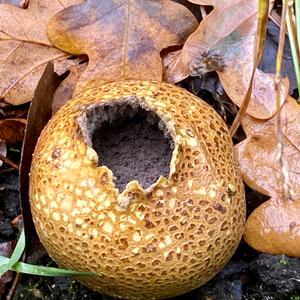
{"type": "Point", "coordinates": [165, 124]}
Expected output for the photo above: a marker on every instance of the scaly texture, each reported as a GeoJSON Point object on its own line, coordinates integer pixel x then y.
{"type": "Point", "coordinates": [144, 244]}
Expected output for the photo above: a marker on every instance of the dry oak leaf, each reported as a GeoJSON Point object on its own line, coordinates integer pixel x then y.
{"type": "Point", "coordinates": [275, 228]}
{"type": "Point", "coordinates": [258, 153]}
{"type": "Point", "coordinates": [173, 69]}
{"type": "Point", "coordinates": [123, 39]}
{"type": "Point", "coordinates": [25, 49]}
{"type": "Point", "coordinates": [12, 130]}
{"type": "Point", "coordinates": [225, 42]}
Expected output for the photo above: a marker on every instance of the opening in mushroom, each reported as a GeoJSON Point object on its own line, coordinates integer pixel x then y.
{"type": "Point", "coordinates": [131, 141]}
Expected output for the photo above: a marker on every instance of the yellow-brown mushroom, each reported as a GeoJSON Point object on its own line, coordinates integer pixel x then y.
{"type": "Point", "coordinates": [144, 242]}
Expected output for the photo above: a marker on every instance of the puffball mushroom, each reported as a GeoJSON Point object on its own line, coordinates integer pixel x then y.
{"type": "Point", "coordinates": [144, 241]}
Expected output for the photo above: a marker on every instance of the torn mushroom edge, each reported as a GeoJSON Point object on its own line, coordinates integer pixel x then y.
{"type": "Point", "coordinates": [165, 124]}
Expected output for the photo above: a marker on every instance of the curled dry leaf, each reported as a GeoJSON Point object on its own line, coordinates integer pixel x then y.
{"type": "Point", "coordinates": [290, 122]}
{"type": "Point", "coordinates": [12, 130]}
{"type": "Point", "coordinates": [174, 70]}
{"type": "Point", "coordinates": [25, 48]}
{"type": "Point", "coordinates": [225, 42]}
{"type": "Point", "coordinates": [275, 228]}
{"type": "Point", "coordinates": [258, 153]}
{"type": "Point", "coordinates": [127, 49]}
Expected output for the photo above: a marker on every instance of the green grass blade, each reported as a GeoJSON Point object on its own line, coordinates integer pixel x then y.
{"type": "Point", "coordinates": [16, 255]}
{"type": "Point", "coordinates": [40, 270]}
{"type": "Point", "coordinates": [294, 44]}
{"type": "Point", "coordinates": [298, 20]}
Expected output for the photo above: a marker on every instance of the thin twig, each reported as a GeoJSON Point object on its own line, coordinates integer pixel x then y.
{"type": "Point", "coordinates": [275, 17]}
{"type": "Point", "coordinates": [12, 290]}
{"type": "Point", "coordinates": [259, 42]}
{"type": "Point", "coordinates": [9, 162]}
{"type": "Point", "coordinates": [284, 174]}
{"type": "Point", "coordinates": [242, 111]}
{"type": "Point", "coordinates": [291, 26]}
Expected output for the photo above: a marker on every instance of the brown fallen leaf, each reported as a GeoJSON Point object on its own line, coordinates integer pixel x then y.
{"type": "Point", "coordinates": [290, 122]}
{"type": "Point", "coordinates": [174, 71]}
{"type": "Point", "coordinates": [12, 130]}
{"type": "Point", "coordinates": [258, 153]}
{"type": "Point", "coordinates": [225, 42]}
{"type": "Point", "coordinates": [275, 228]}
{"type": "Point", "coordinates": [38, 115]}
{"type": "Point", "coordinates": [127, 49]}
{"type": "Point", "coordinates": [65, 91]}
{"type": "Point", "coordinates": [25, 48]}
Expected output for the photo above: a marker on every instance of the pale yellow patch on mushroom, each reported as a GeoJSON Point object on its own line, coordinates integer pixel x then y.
{"type": "Point", "coordinates": [107, 227]}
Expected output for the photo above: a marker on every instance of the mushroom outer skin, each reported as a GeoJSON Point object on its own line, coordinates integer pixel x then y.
{"type": "Point", "coordinates": [149, 243]}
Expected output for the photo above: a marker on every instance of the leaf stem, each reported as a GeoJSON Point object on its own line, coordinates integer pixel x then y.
{"type": "Point", "coordinates": [9, 162]}
{"type": "Point", "coordinates": [263, 9]}
{"type": "Point", "coordinates": [294, 41]}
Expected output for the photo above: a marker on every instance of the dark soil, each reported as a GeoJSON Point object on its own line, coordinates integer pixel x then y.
{"type": "Point", "coordinates": [135, 147]}
{"type": "Point", "coordinates": [9, 203]}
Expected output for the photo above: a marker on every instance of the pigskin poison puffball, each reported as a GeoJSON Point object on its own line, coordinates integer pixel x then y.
{"type": "Point", "coordinates": [149, 242]}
